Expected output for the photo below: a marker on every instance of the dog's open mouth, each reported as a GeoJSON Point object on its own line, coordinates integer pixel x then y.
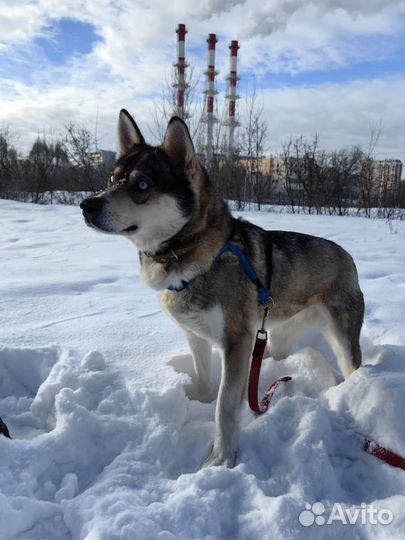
{"type": "Point", "coordinates": [131, 228]}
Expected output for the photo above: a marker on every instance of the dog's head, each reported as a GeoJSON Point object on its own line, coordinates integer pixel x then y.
{"type": "Point", "coordinates": [151, 194]}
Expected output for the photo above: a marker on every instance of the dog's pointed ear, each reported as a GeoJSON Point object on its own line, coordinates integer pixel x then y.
{"type": "Point", "coordinates": [128, 133]}
{"type": "Point", "coordinates": [177, 143]}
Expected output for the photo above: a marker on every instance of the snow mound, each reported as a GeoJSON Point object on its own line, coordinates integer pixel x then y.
{"type": "Point", "coordinates": [106, 445]}
{"type": "Point", "coordinates": [92, 457]}
{"type": "Point", "coordinates": [24, 370]}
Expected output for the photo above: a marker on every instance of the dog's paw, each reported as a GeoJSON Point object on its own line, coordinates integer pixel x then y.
{"type": "Point", "coordinates": [216, 459]}
{"type": "Point", "coordinates": [195, 393]}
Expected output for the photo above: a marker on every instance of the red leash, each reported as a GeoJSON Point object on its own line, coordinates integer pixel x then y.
{"type": "Point", "coordinates": [388, 456]}
{"type": "Point", "coordinates": [253, 387]}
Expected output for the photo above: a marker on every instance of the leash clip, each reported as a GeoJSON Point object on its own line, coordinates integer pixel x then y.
{"type": "Point", "coordinates": [266, 310]}
{"type": "Point", "coordinates": [265, 315]}
{"type": "Point", "coordinates": [269, 305]}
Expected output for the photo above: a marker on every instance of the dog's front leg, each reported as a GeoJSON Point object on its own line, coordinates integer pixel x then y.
{"type": "Point", "coordinates": [235, 367]}
{"type": "Point", "coordinates": [202, 389]}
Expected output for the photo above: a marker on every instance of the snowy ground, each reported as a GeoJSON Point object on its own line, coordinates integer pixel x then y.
{"type": "Point", "coordinates": [105, 443]}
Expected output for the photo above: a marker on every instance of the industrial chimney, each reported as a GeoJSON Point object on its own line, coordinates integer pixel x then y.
{"type": "Point", "coordinates": [180, 66]}
{"type": "Point", "coordinates": [210, 91]}
{"type": "Point", "coordinates": [232, 96]}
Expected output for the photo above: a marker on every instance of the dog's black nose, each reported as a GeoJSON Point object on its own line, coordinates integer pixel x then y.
{"type": "Point", "coordinates": [91, 205]}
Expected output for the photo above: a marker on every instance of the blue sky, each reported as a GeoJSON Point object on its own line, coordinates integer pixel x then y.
{"type": "Point", "coordinates": [64, 39]}
{"type": "Point", "coordinates": [318, 67]}
{"type": "Point", "coordinates": [56, 46]}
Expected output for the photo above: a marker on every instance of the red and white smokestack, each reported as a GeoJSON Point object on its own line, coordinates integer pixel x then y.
{"type": "Point", "coordinates": [210, 93]}
{"type": "Point", "coordinates": [212, 40]}
{"type": "Point", "coordinates": [181, 69]}
{"type": "Point", "coordinates": [232, 94]}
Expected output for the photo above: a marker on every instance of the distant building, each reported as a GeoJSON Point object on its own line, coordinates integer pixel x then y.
{"type": "Point", "coordinates": [269, 168]}
{"type": "Point", "coordinates": [285, 171]}
{"type": "Point", "coordinates": [387, 174]}
{"type": "Point", "coordinates": [102, 157]}
{"type": "Point", "coordinates": [276, 166]}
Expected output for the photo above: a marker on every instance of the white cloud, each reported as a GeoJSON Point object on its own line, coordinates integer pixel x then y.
{"type": "Point", "coordinates": [20, 22]}
{"type": "Point", "coordinates": [341, 114]}
{"type": "Point", "coordinates": [137, 47]}
{"type": "Point", "coordinates": [128, 29]}
{"type": "Point", "coordinates": [313, 40]}
{"type": "Point", "coordinates": [262, 17]}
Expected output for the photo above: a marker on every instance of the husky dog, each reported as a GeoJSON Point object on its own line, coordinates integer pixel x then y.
{"type": "Point", "coordinates": [162, 200]}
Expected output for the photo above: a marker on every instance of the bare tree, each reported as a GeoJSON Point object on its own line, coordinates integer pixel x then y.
{"type": "Point", "coordinates": [313, 179]}
{"type": "Point", "coordinates": [311, 163]}
{"type": "Point", "coordinates": [165, 105]}
{"type": "Point", "coordinates": [285, 172]}
{"type": "Point", "coordinates": [306, 172]}
{"type": "Point", "coordinates": [9, 165]}
{"type": "Point", "coordinates": [341, 179]}
{"type": "Point", "coordinates": [318, 180]}
{"type": "Point", "coordinates": [253, 145]}
{"type": "Point", "coordinates": [367, 174]}
{"type": "Point", "coordinates": [88, 173]}
{"type": "Point", "coordinates": [229, 177]}
{"type": "Point", "coordinates": [44, 163]}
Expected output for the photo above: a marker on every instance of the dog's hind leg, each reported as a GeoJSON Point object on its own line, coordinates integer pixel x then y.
{"type": "Point", "coordinates": [343, 332]}
{"type": "Point", "coordinates": [283, 335]}
{"type": "Point", "coordinates": [201, 348]}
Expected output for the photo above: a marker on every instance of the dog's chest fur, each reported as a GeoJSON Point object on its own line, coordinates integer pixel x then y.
{"type": "Point", "coordinates": [207, 321]}
{"type": "Point", "coordinates": [218, 302]}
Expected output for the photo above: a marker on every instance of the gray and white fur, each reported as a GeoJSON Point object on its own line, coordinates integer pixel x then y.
{"type": "Point", "coordinates": [162, 200]}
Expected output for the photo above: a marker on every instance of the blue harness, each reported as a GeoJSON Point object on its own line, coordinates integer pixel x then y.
{"type": "Point", "coordinates": [263, 293]}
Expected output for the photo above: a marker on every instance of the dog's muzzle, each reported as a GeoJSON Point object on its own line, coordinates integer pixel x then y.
{"type": "Point", "coordinates": [91, 209]}
{"type": "Point", "coordinates": [95, 216]}
{"type": "Point", "coordinates": [92, 205]}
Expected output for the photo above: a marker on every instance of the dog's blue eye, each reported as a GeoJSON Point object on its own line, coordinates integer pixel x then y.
{"type": "Point", "coordinates": [143, 185]}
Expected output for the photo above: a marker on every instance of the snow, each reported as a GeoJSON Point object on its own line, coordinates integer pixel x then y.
{"type": "Point", "coordinates": [107, 446]}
